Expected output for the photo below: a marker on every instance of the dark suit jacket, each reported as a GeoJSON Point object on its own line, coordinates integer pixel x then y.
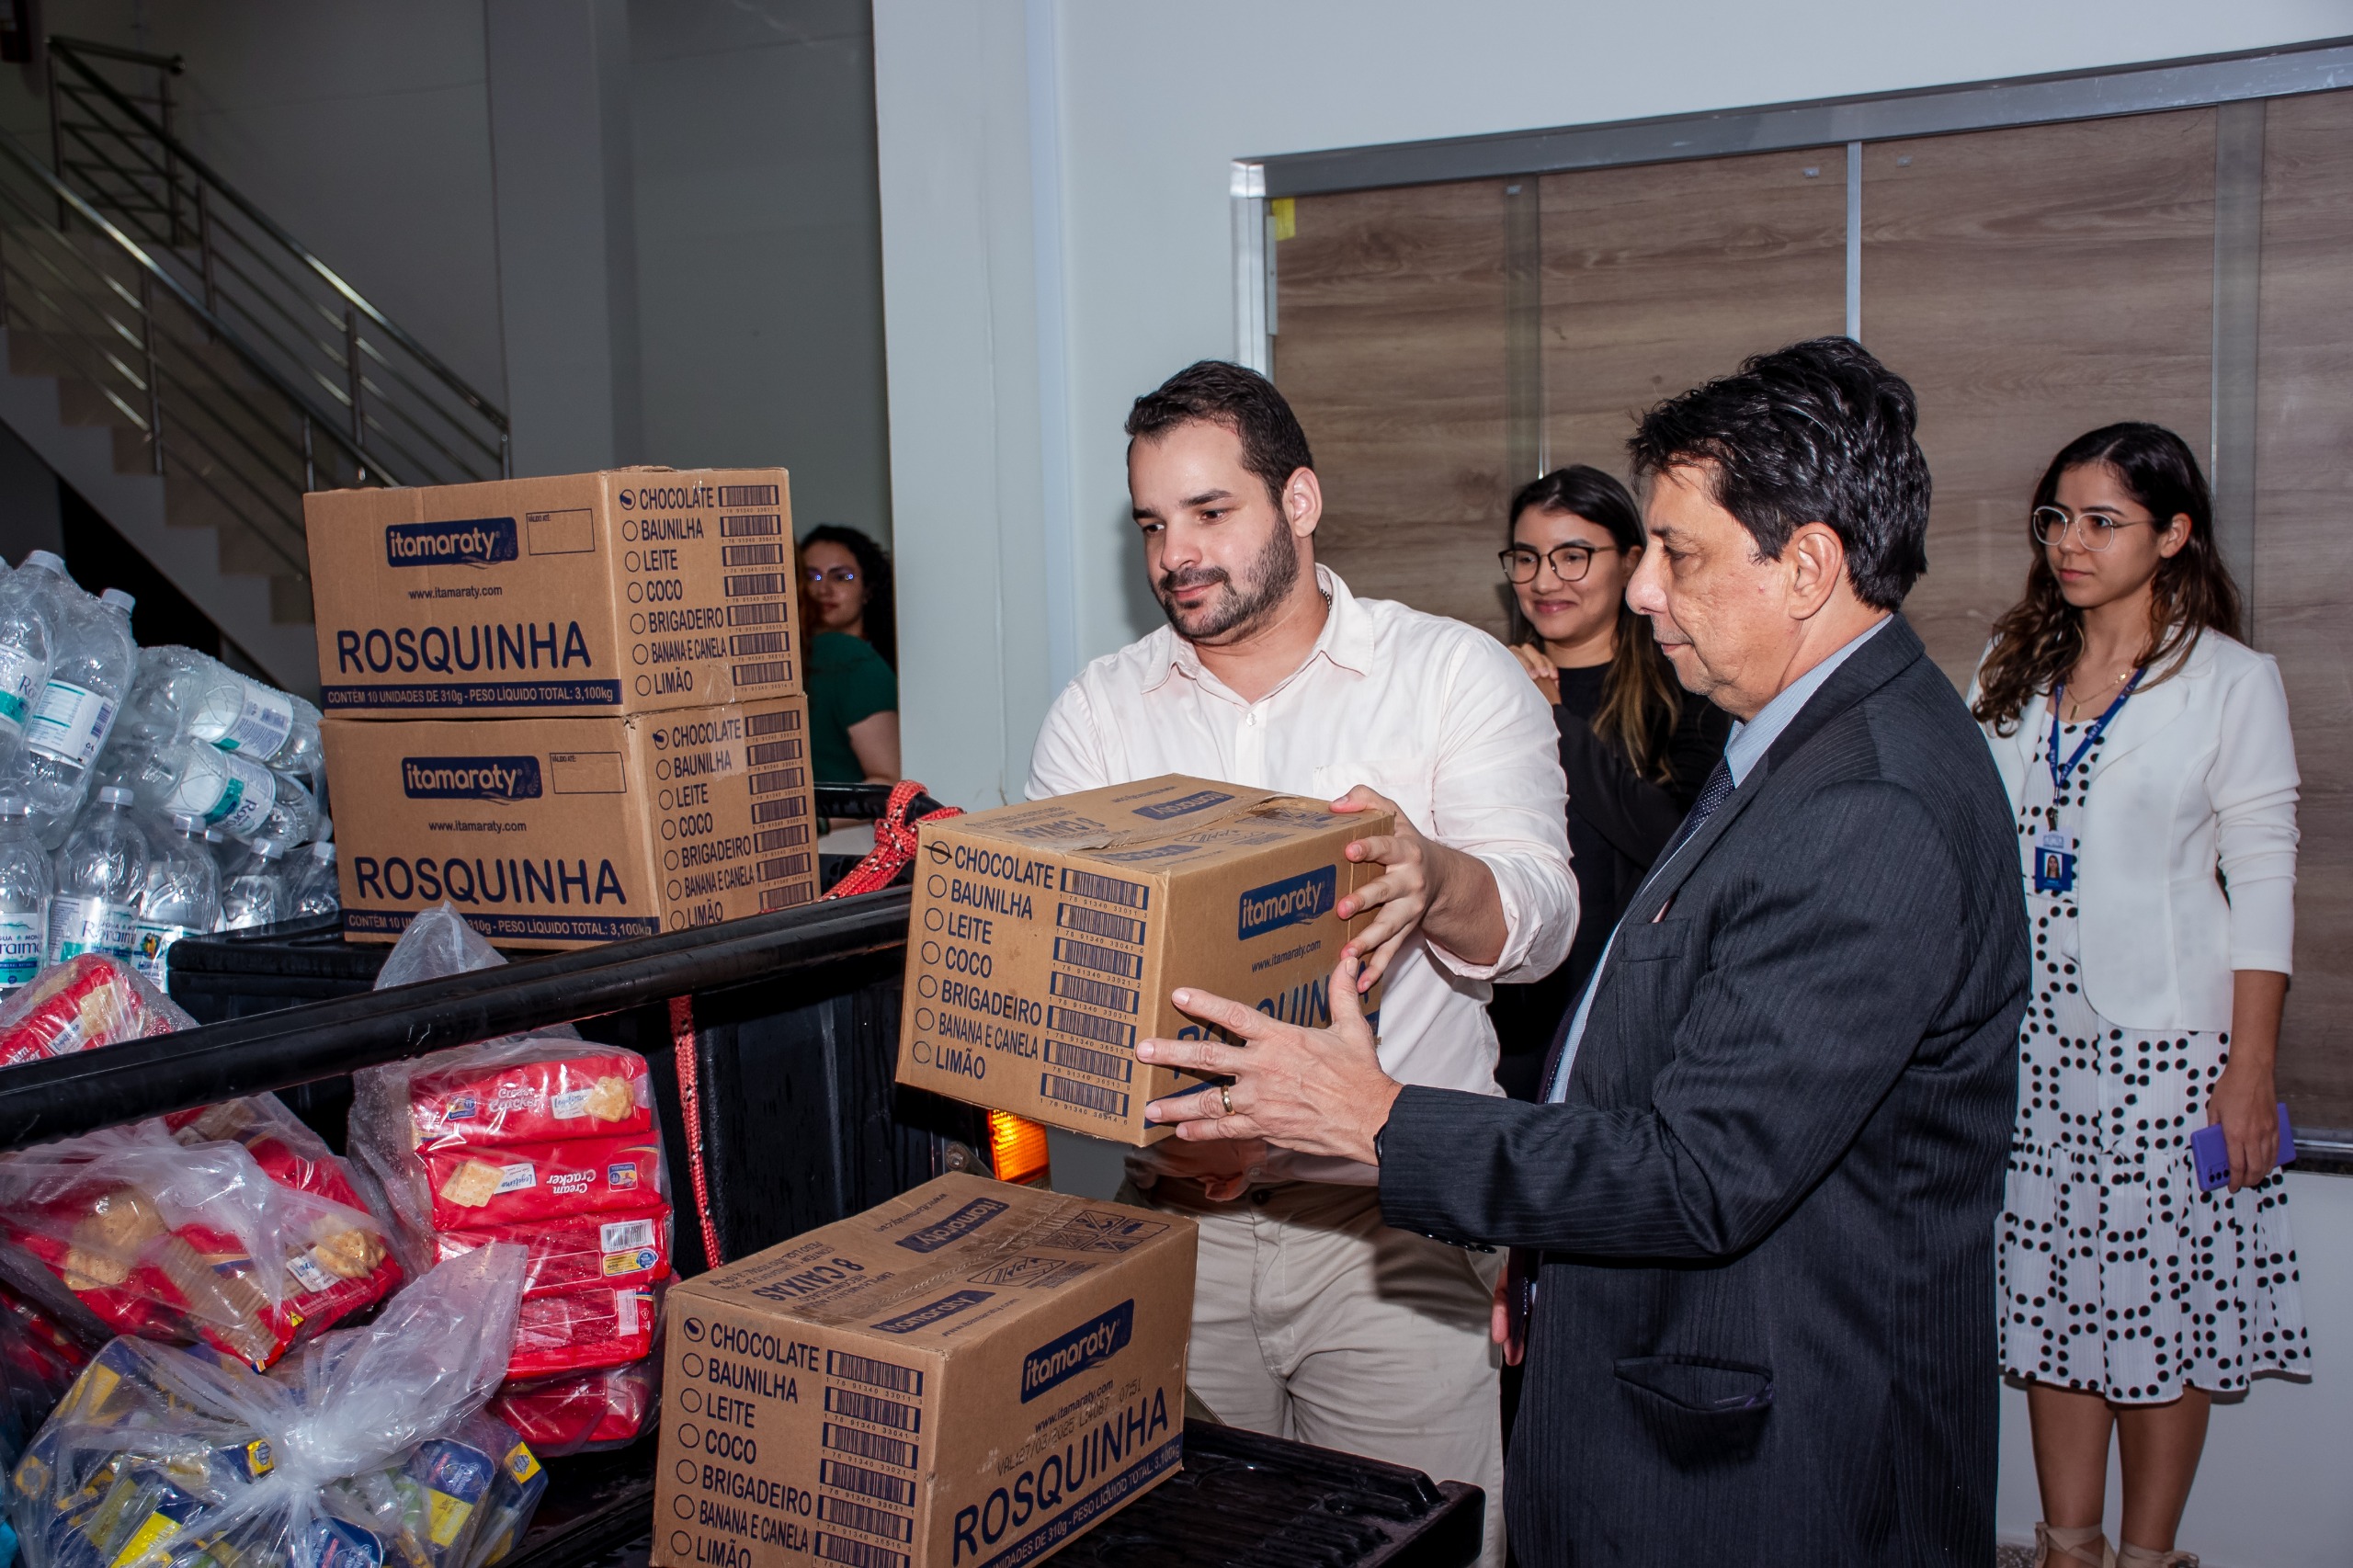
{"type": "Point", "coordinates": [1764, 1329]}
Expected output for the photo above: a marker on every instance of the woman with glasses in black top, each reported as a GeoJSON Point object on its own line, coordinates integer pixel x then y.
{"type": "Point", "coordinates": [1635, 746]}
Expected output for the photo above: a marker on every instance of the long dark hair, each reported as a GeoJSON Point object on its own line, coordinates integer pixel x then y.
{"type": "Point", "coordinates": [1641, 699]}
{"type": "Point", "coordinates": [2039, 639]}
{"type": "Point", "coordinates": [874, 572]}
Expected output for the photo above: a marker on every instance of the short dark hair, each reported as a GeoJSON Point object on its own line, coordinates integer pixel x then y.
{"type": "Point", "coordinates": [1218, 393]}
{"type": "Point", "coordinates": [1816, 432]}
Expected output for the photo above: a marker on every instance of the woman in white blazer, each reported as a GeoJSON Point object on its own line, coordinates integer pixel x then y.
{"type": "Point", "coordinates": [2147, 756]}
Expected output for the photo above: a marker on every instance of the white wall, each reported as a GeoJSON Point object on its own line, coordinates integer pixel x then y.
{"type": "Point", "coordinates": [1057, 239]}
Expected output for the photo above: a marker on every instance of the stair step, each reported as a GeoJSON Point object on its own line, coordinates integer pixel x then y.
{"type": "Point", "coordinates": [290, 602]}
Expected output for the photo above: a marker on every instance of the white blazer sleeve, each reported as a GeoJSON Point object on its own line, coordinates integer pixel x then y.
{"type": "Point", "coordinates": [2253, 786]}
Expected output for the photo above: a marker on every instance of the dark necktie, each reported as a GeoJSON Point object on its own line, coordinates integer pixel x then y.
{"type": "Point", "coordinates": [1714, 793]}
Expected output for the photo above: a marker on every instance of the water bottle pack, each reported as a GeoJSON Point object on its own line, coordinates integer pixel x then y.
{"type": "Point", "coordinates": [145, 794]}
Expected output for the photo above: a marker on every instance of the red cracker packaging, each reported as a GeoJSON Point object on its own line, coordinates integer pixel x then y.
{"type": "Point", "coordinates": [86, 1001]}
{"type": "Point", "coordinates": [586, 1250]}
{"type": "Point", "coordinates": [511, 1183]}
{"type": "Point", "coordinates": [581, 1411]}
{"type": "Point", "coordinates": [287, 1153]}
{"type": "Point", "coordinates": [190, 1241]}
{"type": "Point", "coordinates": [581, 1331]}
{"type": "Point", "coordinates": [563, 1089]}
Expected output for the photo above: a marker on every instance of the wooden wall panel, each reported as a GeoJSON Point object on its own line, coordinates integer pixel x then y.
{"type": "Point", "coordinates": [2303, 563]}
{"type": "Point", "coordinates": [1657, 277]}
{"type": "Point", "coordinates": [2031, 285]}
{"type": "Point", "coordinates": [1389, 347]}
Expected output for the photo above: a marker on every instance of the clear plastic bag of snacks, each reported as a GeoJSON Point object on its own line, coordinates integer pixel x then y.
{"type": "Point", "coordinates": [86, 1001]}
{"type": "Point", "coordinates": [163, 1458]}
{"type": "Point", "coordinates": [194, 1242]}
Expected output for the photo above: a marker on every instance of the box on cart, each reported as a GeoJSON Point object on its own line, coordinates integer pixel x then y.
{"type": "Point", "coordinates": [965, 1376]}
{"type": "Point", "coordinates": [564, 832]}
{"type": "Point", "coordinates": [629, 591]}
{"type": "Point", "coordinates": [1047, 936]}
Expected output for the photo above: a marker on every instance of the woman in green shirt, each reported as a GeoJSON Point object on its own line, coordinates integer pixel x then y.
{"type": "Point", "coordinates": [853, 687]}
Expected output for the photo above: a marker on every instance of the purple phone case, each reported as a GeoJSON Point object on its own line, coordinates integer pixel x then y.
{"type": "Point", "coordinates": [2211, 1153]}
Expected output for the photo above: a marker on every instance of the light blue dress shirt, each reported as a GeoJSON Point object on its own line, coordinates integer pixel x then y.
{"type": "Point", "coordinates": [1744, 750]}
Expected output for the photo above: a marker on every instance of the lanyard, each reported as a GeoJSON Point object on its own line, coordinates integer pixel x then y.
{"type": "Point", "coordinates": [2059, 771]}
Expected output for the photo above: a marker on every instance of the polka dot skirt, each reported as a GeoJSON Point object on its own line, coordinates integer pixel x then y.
{"type": "Point", "coordinates": [2117, 1276]}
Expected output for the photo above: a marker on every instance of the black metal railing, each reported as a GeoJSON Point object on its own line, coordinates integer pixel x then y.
{"type": "Point", "coordinates": [409, 419]}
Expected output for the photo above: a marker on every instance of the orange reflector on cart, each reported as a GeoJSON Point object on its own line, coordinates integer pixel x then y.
{"type": "Point", "coordinates": [1017, 1148]}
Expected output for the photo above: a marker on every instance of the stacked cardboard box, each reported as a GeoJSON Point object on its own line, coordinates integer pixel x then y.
{"type": "Point", "coordinates": [572, 706]}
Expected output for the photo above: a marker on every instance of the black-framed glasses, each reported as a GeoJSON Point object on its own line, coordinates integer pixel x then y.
{"type": "Point", "coordinates": [1570, 563]}
{"type": "Point", "coordinates": [2094, 530]}
{"type": "Point", "coordinates": [818, 575]}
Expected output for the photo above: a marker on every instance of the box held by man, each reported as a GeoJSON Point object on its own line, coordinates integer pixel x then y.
{"type": "Point", "coordinates": [1046, 937]}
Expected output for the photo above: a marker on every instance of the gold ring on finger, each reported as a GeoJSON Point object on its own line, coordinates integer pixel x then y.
{"type": "Point", "coordinates": [1225, 1098]}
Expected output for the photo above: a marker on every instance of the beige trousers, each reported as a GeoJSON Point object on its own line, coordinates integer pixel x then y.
{"type": "Point", "coordinates": [1314, 1320]}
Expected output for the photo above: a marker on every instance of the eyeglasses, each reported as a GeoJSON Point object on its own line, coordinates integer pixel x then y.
{"type": "Point", "coordinates": [818, 575]}
{"type": "Point", "coordinates": [1570, 563]}
{"type": "Point", "coordinates": [2094, 530]}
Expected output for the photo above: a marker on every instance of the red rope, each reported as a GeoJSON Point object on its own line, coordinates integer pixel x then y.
{"type": "Point", "coordinates": [894, 843]}
{"type": "Point", "coordinates": [895, 846]}
{"type": "Point", "coordinates": [682, 1042]}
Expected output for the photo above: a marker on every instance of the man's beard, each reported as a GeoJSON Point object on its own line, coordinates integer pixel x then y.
{"type": "Point", "coordinates": [1270, 581]}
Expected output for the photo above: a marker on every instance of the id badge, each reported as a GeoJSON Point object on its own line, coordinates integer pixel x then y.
{"type": "Point", "coordinates": [2055, 865]}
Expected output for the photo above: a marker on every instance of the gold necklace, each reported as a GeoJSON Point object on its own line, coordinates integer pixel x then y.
{"type": "Point", "coordinates": [2075, 698]}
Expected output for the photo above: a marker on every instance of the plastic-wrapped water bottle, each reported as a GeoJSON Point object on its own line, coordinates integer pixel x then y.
{"type": "Point", "coordinates": [221, 707]}
{"type": "Point", "coordinates": [239, 796]}
{"type": "Point", "coordinates": [255, 892]}
{"type": "Point", "coordinates": [90, 672]}
{"type": "Point", "coordinates": [25, 884]}
{"type": "Point", "coordinates": [99, 868]}
{"type": "Point", "coordinates": [182, 895]}
{"type": "Point", "coordinates": [316, 889]}
{"type": "Point", "coordinates": [25, 644]}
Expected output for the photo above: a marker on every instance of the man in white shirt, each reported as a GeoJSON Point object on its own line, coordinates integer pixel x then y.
{"type": "Point", "coordinates": [1313, 1319]}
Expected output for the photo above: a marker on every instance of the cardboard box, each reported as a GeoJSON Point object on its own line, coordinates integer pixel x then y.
{"type": "Point", "coordinates": [1047, 938]}
{"type": "Point", "coordinates": [564, 832]}
{"type": "Point", "coordinates": [966, 1376]}
{"type": "Point", "coordinates": [632, 591]}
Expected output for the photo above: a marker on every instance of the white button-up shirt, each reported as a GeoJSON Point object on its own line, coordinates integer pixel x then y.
{"type": "Point", "coordinates": [1434, 715]}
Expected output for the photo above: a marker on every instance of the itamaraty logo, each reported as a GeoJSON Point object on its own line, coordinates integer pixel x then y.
{"type": "Point", "coordinates": [1091, 1344]}
{"type": "Point", "coordinates": [469, 778]}
{"type": "Point", "coordinates": [477, 542]}
{"type": "Point", "coordinates": [1295, 901]}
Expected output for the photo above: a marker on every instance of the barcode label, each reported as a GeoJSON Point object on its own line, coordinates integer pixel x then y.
{"type": "Point", "coordinates": [747, 495]}
{"type": "Point", "coordinates": [782, 867]}
{"type": "Point", "coordinates": [1093, 1096]}
{"type": "Point", "coordinates": [783, 722]}
{"type": "Point", "coordinates": [754, 586]}
{"type": "Point", "coordinates": [1088, 1025]}
{"type": "Point", "coordinates": [776, 810]}
{"type": "Point", "coordinates": [868, 1407]}
{"type": "Point", "coordinates": [859, 1553]}
{"type": "Point", "coordinates": [751, 527]}
{"type": "Point", "coordinates": [1106, 890]}
{"type": "Point", "coordinates": [1100, 923]}
{"type": "Point", "coordinates": [1095, 956]}
{"type": "Point", "coordinates": [870, 1446]}
{"type": "Point", "coordinates": [769, 783]}
{"type": "Point", "coordinates": [779, 837]}
{"type": "Point", "coordinates": [758, 615]}
{"type": "Point", "coordinates": [860, 1516]}
{"type": "Point", "coordinates": [881, 1374]}
{"type": "Point", "coordinates": [1094, 992]}
{"type": "Point", "coordinates": [765, 672]}
{"type": "Point", "coordinates": [787, 897]}
{"type": "Point", "coordinates": [867, 1482]}
{"type": "Point", "coordinates": [747, 643]}
{"type": "Point", "coordinates": [765, 752]}
{"type": "Point", "coordinates": [751, 554]}
{"type": "Point", "coordinates": [1087, 1059]}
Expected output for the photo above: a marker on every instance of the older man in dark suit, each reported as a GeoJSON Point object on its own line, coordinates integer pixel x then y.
{"type": "Point", "coordinates": [1757, 1212]}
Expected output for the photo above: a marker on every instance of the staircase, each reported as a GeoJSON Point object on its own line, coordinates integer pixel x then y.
{"type": "Point", "coordinates": [192, 369]}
